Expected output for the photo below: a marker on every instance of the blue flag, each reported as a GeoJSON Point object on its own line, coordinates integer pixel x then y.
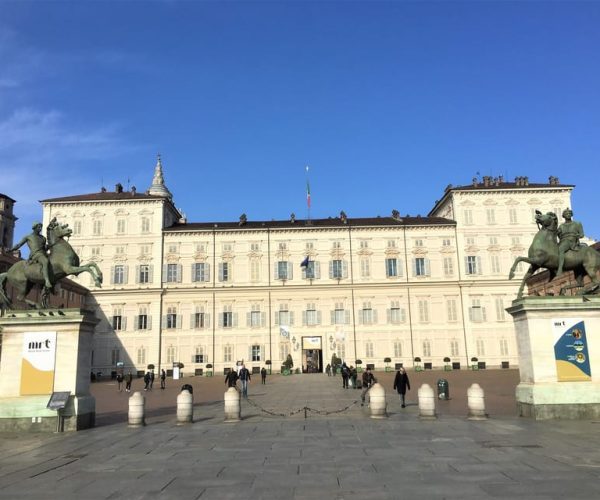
{"type": "Point", "coordinates": [305, 262]}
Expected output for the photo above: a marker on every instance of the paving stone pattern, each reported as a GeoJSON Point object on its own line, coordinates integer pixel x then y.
{"type": "Point", "coordinates": [344, 455]}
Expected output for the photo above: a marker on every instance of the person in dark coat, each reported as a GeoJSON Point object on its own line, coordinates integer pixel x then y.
{"type": "Point", "coordinates": [401, 384]}
{"type": "Point", "coordinates": [120, 381]}
{"type": "Point", "coordinates": [163, 378]}
{"type": "Point", "coordinates": [345, 375]}
{"type": "Point", "coordinates": [368, 379]}
{"type": "Point", "coordinates": [263, 375]}
{"type": "Point", "coordinates": [128, 380]}
{"type": "Point", "coordinates": [146, 381]}
{"type": "Point", "coordinates": [231, 378]}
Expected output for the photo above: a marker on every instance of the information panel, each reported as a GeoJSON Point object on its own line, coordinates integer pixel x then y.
{"type": "Point", "coordinates": [570, 350]}
{"type": "Point", "coordinates": [37, 364]}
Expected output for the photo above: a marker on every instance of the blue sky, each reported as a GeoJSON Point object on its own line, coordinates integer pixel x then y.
{"type": "Point", "coordinates": [388, 102]}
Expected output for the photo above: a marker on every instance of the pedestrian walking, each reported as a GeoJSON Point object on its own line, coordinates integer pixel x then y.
{"type": "Point", "coordinates": [328, 370]}
{"type": "Point", "coordinates": [353, 376]}
{"type": "Point", "coordinates": [120, 381]}
{"type": "Point", "coordinates": [151, 379]}
{"type": "Point", "coordinates": [163, 378]}
{"type": "Point", "coordinates": [231, 378]}
{"type": "Point", "coordinates": [345, 375]}
{"type": "Point", "coordinates": [146, 381]}
{"type": "Point", "coordinates": [245, 378]}
{"type": "Point", "coordinates": [367, 381]}
{"type": "Point", "coordinates": [263, 375]}
{"type": "Point", "coordinates": [128, 380]}
{"type": "Point", "coordinates": [401, 384]}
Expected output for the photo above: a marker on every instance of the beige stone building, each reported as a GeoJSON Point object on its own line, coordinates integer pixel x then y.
{"type": "Point", "coordinates": [215, 293]}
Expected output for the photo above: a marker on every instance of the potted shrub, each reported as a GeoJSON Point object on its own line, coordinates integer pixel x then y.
{"type": "Point", "coordinates": [288, 364]}
{"type": "Point", "coordinates": [150, 367]}
{"type": "Point", "coordinates": [209, 370]}
{"type": "Point", "coordinates": [358, 362]}
{"type": "Point", "coordinates": [418, 364]}
{"type": "Point", "coordinates": [474, 364]}
{"type": "Point", "coordinates": [387, 362]}
{"type": "Point", "coordinates": [447, 366]}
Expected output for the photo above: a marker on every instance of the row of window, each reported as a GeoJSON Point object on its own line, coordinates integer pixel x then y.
{"type": "Point", "coordinates": [121, 226]}
{"type": "Point", "coordinates": [283, 270]}
{"type": "Point", "coordinates": [491, 213]}
{"type": "Point", "coordinates": [311, 316]}
{"type": "Point", "coordinates": [257, 352]}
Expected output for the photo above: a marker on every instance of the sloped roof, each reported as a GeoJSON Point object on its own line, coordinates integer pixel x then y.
{"type": "Point", "coordinates": [106, 196]}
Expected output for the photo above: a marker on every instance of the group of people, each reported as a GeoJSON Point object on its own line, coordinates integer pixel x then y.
{"type": "Point", "coordinates": [148, 380]}
{"type": "Point", "coordinates": [242, 374]}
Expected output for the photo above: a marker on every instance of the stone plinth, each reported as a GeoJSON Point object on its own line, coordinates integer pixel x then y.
{"type": "Point", "coordinates": [43, 352]}
{"type": "Point", "coordinates": [559, 357]}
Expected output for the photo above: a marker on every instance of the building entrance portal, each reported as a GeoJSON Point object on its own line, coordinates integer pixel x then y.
{"type": "Point", "coordinates": [312, 355]}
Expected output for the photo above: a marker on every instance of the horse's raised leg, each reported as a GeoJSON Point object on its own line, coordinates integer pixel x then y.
{"type": "Point", "coordinates": [532, 269]}
{"type": "Point", "coordinates": [518, 260]}
{"type": "Point", "coordinates": [91, 268]}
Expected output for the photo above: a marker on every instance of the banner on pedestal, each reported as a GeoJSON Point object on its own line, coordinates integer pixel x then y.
{"type": "Point", "coordinates": [37, 364]}
{"type": "Point", "coordinates": [570, 350]}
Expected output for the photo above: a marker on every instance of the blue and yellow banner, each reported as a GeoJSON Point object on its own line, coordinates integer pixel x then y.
{"type": "Point", "coordinates": [570, 350]}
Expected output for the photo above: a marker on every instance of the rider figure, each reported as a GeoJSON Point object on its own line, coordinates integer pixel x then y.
{"type": "Point", "coordinates": [569, 233]}
{"type": "Point", "coordinates": [37, 250]}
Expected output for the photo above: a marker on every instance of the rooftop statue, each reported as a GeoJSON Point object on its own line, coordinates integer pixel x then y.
{"type": "Point", "coordinates": [50, 260]}
{"type": "Point", "coordinates": [558, 249]}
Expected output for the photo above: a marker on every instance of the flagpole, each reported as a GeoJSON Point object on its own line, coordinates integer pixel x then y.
{"type": "Point", "coordinates": [307, 196]}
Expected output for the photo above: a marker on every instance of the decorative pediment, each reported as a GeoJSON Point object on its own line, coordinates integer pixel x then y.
{"type": "Point", "coordinates": [121, 212]}
{"type": "Point", "coordinates": [467, 203]}
{"type": "Point", "coordinates": [448, 249]}
{"type": "Point", "coordinates": [172, 258]}
{"type": "Point", "coordinates": [472, 249]}
{"type": "Point", "coordinates": [145, 259]}
{"type": "Point", "coordinates": [392, 252]}
{"type": "Point", "coordinates": [511, 202]}
{"type": "Point", "coordinates": [97, 213]}
{"type": "Point", "coordinates": [494, 248]}
{"type": "Point", "coordinates": [77, 213]}
{"type": "Point", "coordinates": [490, 202]}
{"type": "Point", "coordinates": [556, 202]}
{"type": "Point", "coordinates": [419, 251]}
{"type": "Point", "coordinates": [228, 255]}
{"type": "Point", "coordinates": [337, 254]}
{"type": "Point", "coordinates": [365, 252]}
{"type": "Point", "coordinates": [201, 256]}
{"type": "Point", "coordinates": [145, 211]}
{"type": "Point", "coordinates": [535, 202]}
{"type": "Point", "coordinates": [120, 257]}
{"type": "Point", "coordinates": [254, 255]}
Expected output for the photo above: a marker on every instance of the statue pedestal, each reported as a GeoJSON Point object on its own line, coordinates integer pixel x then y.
{"type": "Point", "coordinates": [559, 357]}
{"type": "Point", "coordinates": [43, 352]}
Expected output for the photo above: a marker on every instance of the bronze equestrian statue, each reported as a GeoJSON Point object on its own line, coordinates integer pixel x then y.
{"type": "Point", "coordinates": [567, 255]}
{"type": "Point", "coordinates": [49, 261]}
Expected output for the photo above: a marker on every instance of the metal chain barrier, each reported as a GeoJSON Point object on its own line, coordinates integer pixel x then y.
{"type": "Point", "coordinates": [305, 409]}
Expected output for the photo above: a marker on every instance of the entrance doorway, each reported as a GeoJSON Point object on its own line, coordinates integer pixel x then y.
{"type": "Point", "coordinates": [312, 355]}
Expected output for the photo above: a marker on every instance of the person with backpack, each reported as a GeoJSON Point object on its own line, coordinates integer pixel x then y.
{"type": "Point", "coordinates": [245, 378]}
{"type": "Point", "coordinates": [231, 378]}
{"type": "Point", "coordinates": [367, 382]}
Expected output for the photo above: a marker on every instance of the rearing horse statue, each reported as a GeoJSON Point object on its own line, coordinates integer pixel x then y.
{"type": "Point", "coordinates": [543, 253]}
{"type": "Point", "coordinates": [62, 262]}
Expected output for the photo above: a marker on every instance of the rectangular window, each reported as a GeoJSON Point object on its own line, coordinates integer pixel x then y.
{"type": "Point", "coordinates": [423, 311]}
{"type": "Point", "coordinates": [256, 353]}
{"type": "Point", "coordinates": [254, 247]}
{"type": "Point", "coordinates": [446, 243]}
{"type": "Point", "coordinates": [281, 272]}
{"type": "Point", "coordinates": [255, 317]}
{"type": "Point", "coordinates": [398, 349]}
{"type": "Point", "coordinates": [368, 318]}
{"type": "Point", "coordinates": [495, 264]}
{"type": "Point", "coordinates": [173, 273]}
{"type": "Point", "coordinates": [451, 309]}
{"type": "Point", "coordinates": [227, 354]}
{"type": "Point", "coordinates": [477, 311]}
{"type": "Point", "coordinates": [141, 356]}
{"type": "Point", "coordinates": [336, 269]}
{"type": "Point", "coordinates": [115, 356]}
{"type": "Point", "coordinates": [369, 349]}
{"type": "Point", "coordinates": [500, 313]}
{"type": "Point", "coordinates": [418, 243]}
{"type": "Point", "coordinates": [142, 320]}
{"type": "Point", "coordinates": [227, 319]}
{"type": "Point", "coordinates": [448, 266]}
{"type": "Point", "coordinates": [391, 243]}
{"type": "Point", "coordinates": [119, 274]}
{"type": "Point", "coordinates": [144, 273]}
{"type": "Point", "coordinates": [493, 241]}
{"type": "Point", "coordinates": [472, 264]}
{"type": "Point", "coordinates": [480, 347]}
{"type": "Point", "coordinates": [117, 320]}
{"type": "Point", "coordinates": [121, 226]}
{"type": "Point", "coordinates": [339, 314]}
{"type": "Point", "coordinates": [364, 244]}
{"type": "Point", "coordinates": [454, 348]}
{"type": "Point", "coordinates": [503, 347]}
{"type": "Point", "coordinates": [77, 227]}
{"type": "Point", "coordinates": [227, 247]}
{"type": "Point", "coordinates": [421, 266]}
{"type": "Point", "coordinates": [512, 215]}
{"type": "Point", "coordinates": [426, 349]}
{"type": "Point", "coordinates": [491, 215]}
{"type": "Point", "coordinates": [145, 225]}
{"type": "Point", "coordinates": [365, 267]}
{"type": "Point", "coordinates": [171, 317]}
{"type": "Point", "coordinates": [468, 216]}
{"type": "Point", "coordinates": [254, 270]}
{"type": "Point", "coordinates": [516, 241]}
{"type": "Point", "coordinates": [97, 228]}
{"type": "Point", "coordinates": [283, 317]}
{"type": "Point", "coordinates": [391, 268]}
{"type": "Point", "coordinates": [224, 271]}
{"type": "Point", "coordinates": [310, 271]}
{"type": "Point", "coordinates": [311, 314]}
{"type": "Point", "coordinates": [200, 272]}
{"type": "Point", "coordinates": [199, 320]}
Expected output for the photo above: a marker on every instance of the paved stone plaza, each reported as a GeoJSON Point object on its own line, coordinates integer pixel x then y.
{"type": "Point", "coordinates": [340, 455]}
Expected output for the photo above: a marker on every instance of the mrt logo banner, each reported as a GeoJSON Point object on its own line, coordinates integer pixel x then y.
{"type": "Point", "coordinates": [570, 350]}
{"type": "Point", "coordinates": [37, 364]}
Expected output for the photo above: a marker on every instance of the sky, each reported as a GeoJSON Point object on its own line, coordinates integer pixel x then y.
{"type": "Point", "coordinates": [386, 102]}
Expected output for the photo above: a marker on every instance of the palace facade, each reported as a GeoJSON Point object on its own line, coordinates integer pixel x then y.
{"type": "Point", "coordinates": [208, 294]}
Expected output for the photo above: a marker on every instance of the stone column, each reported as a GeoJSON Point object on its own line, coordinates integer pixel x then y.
{"type": "Point", "coordinates": [476, 403]}
{"type": "Point", "coordinates": [137, 410]}
{"type": "Point", "coordinates": [426, 402]}
{"type": "Point", "coordinates": [377, 402]}
{"type": "Point", "coordinates": [185, 407]}
{"type": "Point", "coordinates": [232, 405]}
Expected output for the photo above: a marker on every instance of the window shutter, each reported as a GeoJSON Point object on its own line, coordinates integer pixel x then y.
{"type": "Point", "coordinates": [414, 267]}
{"type": "Point", "coordinates": [164, 321]}
{"type": "Point", "coordinates": [206, 320]}
{"type": "Point", "coordinates": [112, 275]}
{"type": "Point", "coordinates": [221, 320]}
{"type": "Point", "coordinates": [467, 265]}
{"type": "Point", "coordinates": [479, 268]}
{"type": "Point", "coordinates": [263, 352]}
{"type": "Point", "coordinates": [361, 317]}
{"type": "Point", "coordinates": [402, 315]}
{"type": "Point", "coordinates": [137, 274]}
{"type": "Point", "coordinates": [194, 272]}
{"type": "Point", "coordinates": [249, 353]}
{"type": "Point", "coordinates": [179, 272]}
{"type": "Point", "coordinates": [206, 274]}
{"type": "Point", "coordinates": [330, 269]}
{"type": "Point", "coordinates": [344, 269]}
{"type": "Point", "coordinates": [235, 319]}
{"type": "Point", "coordinates": [164, 273]}
{"type": "Point", "coordinates": [389, 315]}
{"type": "Point", "coordinates": [221, 273]}
{"type": "Point", "coordinates": [303, 318]}
{"type": "Point", "coordinates": [136, 322]}
{"type": "Point", "coordinates": [400, 268]}
{"type": "Point", "coordinates": [111, 322]}
{"type": "Point", "coordinates": [427, 268]}
{"type": "Point", "coordinates": [304, 272]}
{"type": "Point", "coordinates": [374, 317]}
{"type": "Point", "coordinates": [291, 316]}
{"type": "Point", "coordinates": [125, 274]}
{"type": "Point", "coordinates": [347, 317]}
{"type": "Point", "coordinates": [179, 319]}
{"type": "Point", "coordinates": [248, 319]}
{"type": "Point", "coordinates": [276, 318]}
{"type": "Point", "coordinates": [275, 269]}
{"type": "Point", "coordinates": [193, 321]}
{"type": "Point", "coordinates": [150, 273]}
{"type": "Point", "coordinates": [471, 313]}
{"type": "Point", "coordinates": [263, 318]}
{"type": "Point", "coordinates": [483, 315]}
{"type": "Point", "coordinates": [317, 269]}
{"type": "Point", "coordinates": [318, 317]}
{"type": "Point", "coordinates": [149, 322]}
{"type": "Point", "coordinates": [290, 270]}
{"type": "Point", "coordinates": [332, 317]}
{"type": "Point", "coordinates": [123, 322]}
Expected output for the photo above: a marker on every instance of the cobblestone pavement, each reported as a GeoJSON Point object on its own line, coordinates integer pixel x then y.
{"type": "Point", "coordinates": [343, 455]}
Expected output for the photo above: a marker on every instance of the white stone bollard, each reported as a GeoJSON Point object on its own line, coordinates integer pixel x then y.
{"type": "Point", "coordinates": [377, 402]}
{"type": "Point", "coordinates": [476, 403]}
{"type": "Point", "coordinates": [426, 402]}
{"type": "Point", "coordinates": [232, 405]}
{"type": "Point", "coordinates": [185, 407]}
{"type": "Point", "coordinates": [137, 410]}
